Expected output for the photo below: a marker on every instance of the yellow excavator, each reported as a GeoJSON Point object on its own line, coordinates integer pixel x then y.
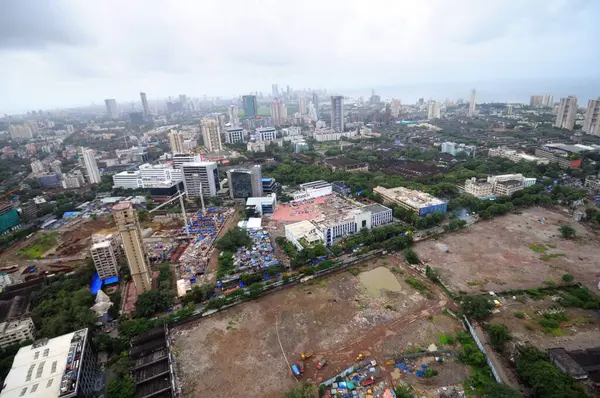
{"type": "Point", "coordinates": [304, 356]}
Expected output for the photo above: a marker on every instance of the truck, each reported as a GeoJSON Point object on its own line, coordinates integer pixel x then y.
{"type": "Point", "coordinates": [295, 370]}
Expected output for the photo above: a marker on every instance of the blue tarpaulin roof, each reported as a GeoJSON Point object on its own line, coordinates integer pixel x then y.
{"type": "Point", "coordinates": [96, 283]}
{"type": "Point", "coordinates": [111, 280]}
{"type": "Point", "coordinates": [71, 214]}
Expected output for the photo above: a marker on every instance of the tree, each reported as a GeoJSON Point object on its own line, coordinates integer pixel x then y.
{"type": "Point", "coordinates": [567, 278]}
{"type": "Point", "coordinates": [410, 256]}
{"type": "Point", "coordinates": [304, 390]}
{"type": "Point", "coordinates": [499, 390]}
{"type": "Point", "coordinates": [499, 335]}
{"type": "Point", "coordinates": [121, 387]}
{"type": "Point", "coordinates": [567, 231]}
{"type": "Point", "coordinates": [151, 302]}
{"type": "Point", "coordinates": [477, 307]}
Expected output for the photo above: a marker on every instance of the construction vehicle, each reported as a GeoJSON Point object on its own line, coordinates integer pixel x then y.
{"type": "Point", "coordinates": [321, 363]}
{"type": "Point", "coordinates": [360, 357]}
{"type": "Point", "coordinates": [304, 356]}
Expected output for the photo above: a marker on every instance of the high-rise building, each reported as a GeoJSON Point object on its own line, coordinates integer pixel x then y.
{"type": "Point", "coordinates": [91, 167]}
{"type": "Point", "coordinates": [176, 141]}
{"type": "Point", "coordinates": [591, 124]}
{"type": "Point", "coordinates": [20, 132]}
{"type": "Point", "coordinates": [548, 101]}
{"type": "Point", "coordinates": [106, 255]}
{"type": "Point", "coordinates": [37, 167]}
{"type": "Point", "coordinates": [233, 135]}
{"type": "Point", "coordinates": [245, 183]}
{"type": "Point", "coordinates": [250, 106]}
{"type": "Point", "coordinates": [302, 105]}
{"type": "Point", "coordinates": [274, 91]}
{"type": "Point", "coordinates": [509, 109]}
{"type": "Point", "coordinates": [473, 103]}
{"type": "Point", "coordinates": [211, 133]}
{"type": "Point", "coordinates": [234, 116]}
{"type": "Point", "coordinates": [145, 105]}
{"type": "Point", "coordinates": [200, 178]}
{"type": "Point", "coordinates": [433, 110]}
{"type": "Point", "coordinates": [337, 113]}
{"type": "Point", "coordinates": [183, 101]}
{"type": "Point", "coordinates": [567, 110]}
{"type": "Point", "coordinates": [315, 100]}
{"type": "Point", "coordinates": [129, 228]}
{"type": "Point", "coordinates": [111, 108]}
{"type": "Point", "coordinates": [278, 112]}
{"type": "Point", "coordinates": [536, 101]}
{"type": "Point", "coordinates": [15, 331]}
{"type": "Point", "coordinates": [396, 104]}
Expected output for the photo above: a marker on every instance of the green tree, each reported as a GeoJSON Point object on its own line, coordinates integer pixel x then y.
{"type": "Point", "coordinates": [303, 390]}
{"type": "Point", "coordinates": [150, 302]}
{"type": "Point", "coordinates": [122, 387]}
{"type": "Point", "coordinates": [567, 278]}
{"type": "Point", "coordinates": [410, 256]}
{"type": "Point", "coordinates": [477, 307]}
{"type": "Point", "coordinates": [499, 335]}
{"type": "Point", "coordinates": [567, 232]}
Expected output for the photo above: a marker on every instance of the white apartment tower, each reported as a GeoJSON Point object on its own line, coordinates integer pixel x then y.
{"type": "Point", "coordinates": [591, 124]}
{"type": "Point", "coordinates": [105, 254]}
{"type": "Point", "coordinates": [337, 113]}
{"type": "Point", "coordinates": [472, 103]}
{"type": "Point", "coordinates": [176, 141]}
{"type": "Point", "coordinates": [129, 228]}
{"type": "Point", "coordinates": [234, 116]}
{"type": "Point", "coordinates": [433, 110]}
{"type": "Point", "coordinates": [200, 179]}
{"type": "Point", "coordinates": [211, 132]}
{"type": "Point", "coordinates": [91, 167]}
{"type": "Point", "coordinates": [396, 105]}
{"type": "Point", "coordinates": [302, 105]}
{"type": "Point", "coordinates": [567, 110]}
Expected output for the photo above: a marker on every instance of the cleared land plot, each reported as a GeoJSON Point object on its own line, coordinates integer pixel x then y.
{"type": "Point", "coordinates": [515, 251]}
{"type": "Point", "coordinates": [37, 249]}
{"type": "Point", "coordinates": [237, 352]}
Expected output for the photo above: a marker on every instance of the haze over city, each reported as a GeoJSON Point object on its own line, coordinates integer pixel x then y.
{"type": "Point", "coordinates": [67, 53]}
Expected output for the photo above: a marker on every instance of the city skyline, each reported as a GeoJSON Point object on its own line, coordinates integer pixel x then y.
{"type": "Point", "coordinates": [60, 54]}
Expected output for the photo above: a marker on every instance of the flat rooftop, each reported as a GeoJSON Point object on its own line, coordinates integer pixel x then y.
{"type": "Point", "coordinates": [577, 148]}
{"type": "Point", "coordinates": [342, 161]}
{"type": "Point", "coordinates": [315, 184]}
{"type": "Point", "coordinates": [416, 199]}
{"type": "Point", "coordinates": [376, 208]}
{"type": "Point", "coordinates": [510, 182]}
{"type": "Point", "coordinates": [122, 206]}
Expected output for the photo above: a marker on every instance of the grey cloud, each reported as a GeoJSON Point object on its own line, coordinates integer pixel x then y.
{"type": "Point", "coordinates": [34, 24]}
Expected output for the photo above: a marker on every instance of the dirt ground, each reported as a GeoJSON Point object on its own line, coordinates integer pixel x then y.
{"type": "Point", "coordinates": [497, 255]}
{"type": "Point", "coordinates": [238, 353]}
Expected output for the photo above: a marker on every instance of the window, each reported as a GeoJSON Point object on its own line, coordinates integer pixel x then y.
{"type": "Point", "coordinates": [46, 352]}
{"type": "Point", "coordinates": [49, 383]}
{"type": "Point", "coordinates": [40, 369]}
{"type": "Point", "coordinates": [53, 367]}
{"type": "Point", "coordinates": [34, 388]}
{"type": "Point", "coordinates": [23, 391]}
{"type": "Point", "coordinates": [36, 355]}
{"type": "Point", "coordinates": [30, 372]}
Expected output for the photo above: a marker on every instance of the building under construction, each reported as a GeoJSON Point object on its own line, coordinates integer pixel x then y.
{"type": "Point", "coordinates": [152, 365]}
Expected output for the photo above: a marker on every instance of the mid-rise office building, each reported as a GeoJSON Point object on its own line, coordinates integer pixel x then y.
{"type": "Point", "coordinates": [200, 178]}
{"type": "Point", "coordinates": [106, 254]}
{"type": "Point", "coordinates": [250, 106]}
{"type": "Point", "coordinates": [265, 134]}
{"type": "Point", "coordinates": [73, 180]}
{"type": "Point", "coordinates": [567, 110]}
{"type": "Point", "coordinates": [64, 366]}
{"type": "Point", "coordinates": [91, 167]}
{"type": "Point", "coordinates": [591, 125]}
{"type": "Point", "coordinates": [180, 158]}
{"type": "Point", "coordinates": [245, 183]}
{"type": "Point", "coordinates": [233, 135]}
{"type": "Point", "coordinates": [420, 203]}
{"type": "Point", "coordinates": [16, 331]}
{"type": "Point", "coordinates": [176, 140]}
{"type": "Point", "coordinates": [337, 113]}
{"type": "Point", "coordinates": [211, 133]}
{"type": "Point", "coordinates": [131, 236]}
{"type": "Point", "coordinates": [311, 190]}
{"type": "Point", "coordinates": [111, 108]}
{"type": "Point", "coordinates": [433, 110]}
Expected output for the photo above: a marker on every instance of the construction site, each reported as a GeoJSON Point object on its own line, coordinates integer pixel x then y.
{"type": "Point", "coordinates": [374, 312]}
{"type": "Point", "coordinates": [515, 251]}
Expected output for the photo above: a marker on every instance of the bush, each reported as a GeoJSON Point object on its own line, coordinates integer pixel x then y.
{"type": "Point", "coordinates": [471, 355]}
{"type": "Point", "coordinates": [567, 232]}
{"type": "Point", "coordinates": [499, 335]}
{"type": "Point", "coordinates": [567, 278]}
{"type": "Point", "coordinates": [234, 239]}
{"type": "Point", "coordinates": [520, 314]}
{"type": "Point", "coordinates": [477, 307]}
{"type": "Point", "coordinates": [430, 372]}
{"type": "Point", "coordinates": [410, 256]}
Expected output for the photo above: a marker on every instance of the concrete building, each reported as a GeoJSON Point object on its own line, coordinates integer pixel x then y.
{"type": "Point", "coordinates": [130, 179]}
{"type": "Point", "coordinates": [433, 110]}
{"type": "Point", "coordinates": [234, 116]}
{"type": "Point", "coordinates": [454, 148]}
{"type": "Point", "coordinates": [244, 182]}
{"type": "Point", "coordinates": [509, 109]}
{"type": "Point", "coordinates": [20, 132]}
{"type": "Point", "coordinates": [131, 236]}
{"type": "Point", "coordinates": [564, 155]}
{"type": "Point", "coordinates": [536, 101]}
{"type": "Point", "coordinates": [64, 366]}
{"type": "Point", "coordinates": [507, 184]}
{"type": "Point", "coordinates": [233, 135]}
{"type": "Point", "coordinates": [211, 134]}
{"type": "Point", "coordinates": [395, 107]}
{"type": "Point", "coordinates": [548, 101]}
{"type": "Point", "coordinates": [250, 106]}
{"type": "Point", "coordinates": [91, 167]}
{"type": "Point", "coordinates": [9, 217]}
{"type": "Point", "coordinates": [50, 180]}
{"type": "Point", "coordinates": [346, 164]}
{"type": "Point", "coordinates": [145, 106]}
{"type": "Point", "coordinates": [302, 105]}
{"type": "Point", "coordinates": [158, 173]}
{"type": "Point", "coordinates": [265, 134]}
{"type": "Point", "coordinates": [567, 110]}
{"type": "Point", "coordinates": [515, 156]}
{"type": "Point", "coordinates": [37, 167]}
{"type": "Point", "coordinates": [111, 108]}
{"type": "Point", "coordinates": [473, 103]}
{"type": "Point", "coordinates": [73, 180]}
{"type": "Point", "coordinates": [263, 204]}
{"type": "Point", "coordinates": [315, 102]}
{"type": "Point", "coordinates": [591, 124]}
{"type": "Point", "coordinates": [337, 113]}
{"type": "Point", "coordinates": [176, 140]}
{"type": "Point", "coordinates": [181, 158]}
{"type": "Point", "coordinates": [311, 190]}
{"type": "Point", "coordinates": [593, 182]}
{"type": "Point", "coordinates": [278, 112]}
{"type": "Point", "coordinates": [16, 331]}
{"type": "Point", "coordinates": [201, 178]}
{"type": "Point", "coordinates": [480, 189]}
{"type": "Point", "coordinates": [106, 255]}
{"type": "Point", "coordinates": [420, 203]}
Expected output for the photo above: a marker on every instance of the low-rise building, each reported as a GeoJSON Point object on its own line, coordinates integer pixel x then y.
{"type": "Point", "coordinates": [420, 203]}
{"type": "Point", "coordinates": [262, 205]}
{"type": "Point", "coordinates": [341, 188]}
{"type": "Point", "coordinates": [311, 190]}
{"type": "Point", "coordinates": [593, 182]}
{"type": "Point", "coordinates": [346, 164]}
{"type": "Point", "coordinates": [516, 156]}
{"type": "Point", "coordinates": [479, 188]}
{"type": "Point", "coordinates": [454, 149]}
{"type": "Point", "coordinates": [50, 180]}
{"type": "Point", "coordinates": [565, 155]}
{"type": "Point", "coordinates": [16, 331]}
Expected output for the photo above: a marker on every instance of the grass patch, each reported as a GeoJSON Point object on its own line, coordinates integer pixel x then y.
{"type": "Point", "coordinates": [550, 283]}
{"type": "Point", "coordinates": [354, 271]}
{"type": "Point", "coordinates": [557, 332]}
{"type": "Point", "coordinates": [549, 257]}
{"type": "Point", "coordinates": [447, 339]}
{"type": "Point", "coordinates": [323, 283]}
{"type": "Point", "coordinates": [529, 327]}
{"type": "Point", "coordinates": [397, 271]}
{"type": "Point", "coordinates": [551, 246]}
{"type": "Point", "coordinates": [416, 284]}
{"type": "Point", "coordinates": [538, 248]}
{"type": "Point", "coordinates": [42, 245]}
{"type": "Point", "coordinates": [472, 283]}
{"type": "Point", "coordinates": [520, 314]}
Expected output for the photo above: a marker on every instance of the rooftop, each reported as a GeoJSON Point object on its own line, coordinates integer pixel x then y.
{"type": "Point", "coordinates": [101, 245]}
{"type": "Point", "coordinates": [315, 184]}
{"type": "Point", "coordinates": [341, 161]}
{"type": "Point", "coordinates": [198, 164]}
{"type": "Point", "coordinates": [510, 182]}
{"type": "Point", "coordinates": [376, 208]}
{"type": "Point", "coordinates": [122, 206]}
{"type": "Point", "coordinates": [577, 148]}
{"type": "Point", "coordinates": [416, 199]}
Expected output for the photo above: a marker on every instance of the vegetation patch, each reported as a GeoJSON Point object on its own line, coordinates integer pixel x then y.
{"type": "Point", "coordinates": [549, 257]}
{"type": "Point", "coordinates": [42, 245]}
{"type": "Point", "coordinates": [416, 284]}
{"type": "Point", "coordinates": [538, 248]}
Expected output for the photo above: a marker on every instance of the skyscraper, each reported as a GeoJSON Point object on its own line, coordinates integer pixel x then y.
{"type": "Point", "coordinates": [183, 101]}
{"type": "Point", "coordinates": [111, 108]}
{"type": "Point", "coordinates": [396, 104]}
{"type": "Point", "coordinates": [145, 105]}
{"type": "Point", "coordinates": [250, 106]}
{"type": "Point", "coordinates": [567, 109]}
{"type": "Point", "coordinates": [200, 178]}
{"type": "Point", "coordinates": [548, 101]}
{"type": "Point", "coordinates": [337, 113]}
{"type": "Point", "coordinates": [315, 100]}
{"type": "Point", "coordinates": [176, 141]}
{"type": "Point", "coordinates": [234, 116]}
{"type": "Point", "coordinates": [472, 103]}
{"type": "Point", "coordinates": [211, 133]}
{"type": "Point", "coordinates": [433, 110]}
{"type": "Point", "coordinates": [274, 91]}
{"type": "Point", "coordinates": [536, 101]}
{"type": "Point", "coordinates": [129, 228]}
{"type": "Point", "coordinates": [278, 112]}
{"type": "Point", "coordinates": [591, 124]}
{"type": "Point", "coordinates": [302, 105]}
{"type": "Point", "coordinates": [245, 183]}
{"type": "Point", "coordinates": [91, 167]}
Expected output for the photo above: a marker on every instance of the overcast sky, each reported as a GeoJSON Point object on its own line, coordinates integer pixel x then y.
{"type": "Point", "coordinates": [56, 53]}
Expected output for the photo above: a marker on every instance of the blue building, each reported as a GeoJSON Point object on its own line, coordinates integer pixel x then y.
{"type": "Point", "coordinates": [50, 180]}
{"type": "Point", "coordinates": [9, 217]}
{"type": "Point", "coordinates": [250, 106]}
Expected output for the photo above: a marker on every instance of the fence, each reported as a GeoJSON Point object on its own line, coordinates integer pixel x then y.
{"type": "Point", "coordinates": [483, 350]}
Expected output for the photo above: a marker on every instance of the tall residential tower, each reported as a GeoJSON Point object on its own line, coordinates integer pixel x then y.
{"type": "Point", "coordinates": [91, 167]}
{"type": "Point", "coordinates": [567, 109]}
{"type": "Point", "coordinates": [337, 113]}
{"type": "Point", "coordinates": [211, 133]}
{"type": "Point", "coordinates": [591, 125]}
{"type": "Point", "coordinates": [111, 108]}
{"type": "Point", "coordinates": [176, 141]}
{"type": "Point", "coordinates": [472, 103]}
{"type": "Point", "coordinates": [145, 105]}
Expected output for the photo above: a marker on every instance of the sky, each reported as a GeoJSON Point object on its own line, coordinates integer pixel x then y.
{"type": "Point", "coordinates": [60, 53]}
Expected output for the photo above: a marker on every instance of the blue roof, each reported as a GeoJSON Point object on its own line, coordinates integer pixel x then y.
{"type": "Point", "coordinates": [111, 280]}
{"type": "Point", "coordinates": [266, 179]}
{"type": "Point", "coordinates": [96, 283]}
